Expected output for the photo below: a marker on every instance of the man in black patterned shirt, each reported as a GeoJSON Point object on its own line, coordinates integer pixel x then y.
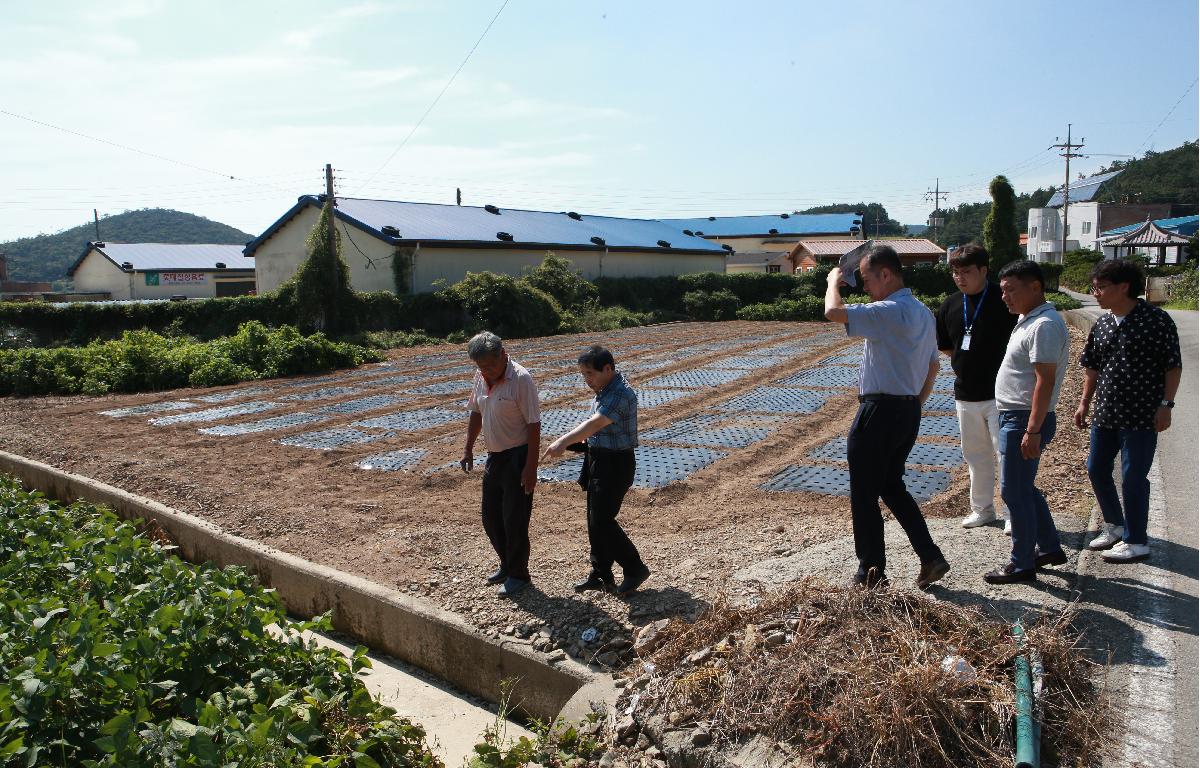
{"type": "Point", "coordinates": [1132, 366]}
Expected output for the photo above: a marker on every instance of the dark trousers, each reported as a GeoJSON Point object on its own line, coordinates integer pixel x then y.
{"type": "Point", "coordinates": [506, 510]}
{"type": "Point", "coordinates": [606, 477]}
{"type": "Point", "coordinates": [880, 439]}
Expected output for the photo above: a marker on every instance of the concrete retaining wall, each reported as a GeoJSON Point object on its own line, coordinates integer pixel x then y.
{"type": "Point", "coordinates": [385, 620]}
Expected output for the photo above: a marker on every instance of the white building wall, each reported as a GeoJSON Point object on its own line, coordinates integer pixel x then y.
{"type": "Point", "coordinates": [97, 274]}
{"type": "Point", "coordinates": [1045, 230]}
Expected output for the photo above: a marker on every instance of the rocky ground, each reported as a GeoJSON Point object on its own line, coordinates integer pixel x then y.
{"type": "Point", "coordinates": [418, 529]}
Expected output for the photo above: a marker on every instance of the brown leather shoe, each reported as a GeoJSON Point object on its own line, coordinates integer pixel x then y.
{"type": "Point", "coordinates": [931, 572]}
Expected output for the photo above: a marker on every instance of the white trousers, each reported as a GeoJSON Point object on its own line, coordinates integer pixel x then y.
{"type": "Point", "coordinates": [979, 430]}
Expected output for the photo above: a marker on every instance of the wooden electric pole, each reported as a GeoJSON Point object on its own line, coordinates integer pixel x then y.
{"type": "Point", "coordinates": [96, 218]}
{"type": "Point", "coordinates": [1068, 154]}
{"type": "Point", "coordinates": [330, 204]}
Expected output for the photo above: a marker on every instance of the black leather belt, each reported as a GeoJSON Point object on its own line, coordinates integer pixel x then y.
{"type": "Point", "coordinates": [877, 396]}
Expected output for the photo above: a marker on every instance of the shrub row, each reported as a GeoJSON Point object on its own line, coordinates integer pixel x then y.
{"type": "Point", "coordinates": [142, 361]}
{"type": "Point", "coordinates": [118, 654]}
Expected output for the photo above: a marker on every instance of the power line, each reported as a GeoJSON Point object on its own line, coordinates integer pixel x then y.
{"type": "Point", "coordinates": [125, 147]}
{"type": "Point", "coordinates": [1169, 113]}
{"type": "Point", "coordinates": [438, 98]}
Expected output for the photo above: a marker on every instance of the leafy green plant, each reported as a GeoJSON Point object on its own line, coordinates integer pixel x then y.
{"type": "Point", "coordinates": [556, 277]}
{"type": "Point", "coordinates": [119, 654]}
{"type": "Point", "coordinates": [1000, 236]}
{"type": "Point", "coordinates": [504, 305]}
{"type": "Point", "coordinates": [142, 361]}
{"type": "Point", "coordinates": [318, 301]}
{"type": "Point", "coordinates": [803, 308]}
{"type": "Point", "coordinates": [556, 744]}
{"type": "Point", "coordinates": [721, 304]}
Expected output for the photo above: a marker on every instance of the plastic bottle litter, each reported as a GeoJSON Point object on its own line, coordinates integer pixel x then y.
{"type": "Point", "coordinates": [959, 667]}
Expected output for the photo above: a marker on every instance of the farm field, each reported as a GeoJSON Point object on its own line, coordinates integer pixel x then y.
{"type": "Point", "coordinates": [742, 463]}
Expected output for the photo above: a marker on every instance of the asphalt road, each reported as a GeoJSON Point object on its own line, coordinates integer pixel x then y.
{"type": "Point", "coordinates": [1143, 617]}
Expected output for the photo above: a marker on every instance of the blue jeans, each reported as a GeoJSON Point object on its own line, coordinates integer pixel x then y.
{"type": "Point", "coordinates": [1136, 447]}
{"type": "Point", "coordinates": [1032, 525]}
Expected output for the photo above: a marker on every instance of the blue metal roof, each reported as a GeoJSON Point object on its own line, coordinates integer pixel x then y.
{"type": "Point", "coordinates": [782, 224]}
{"type": "Point", "coordinates": [1082, 190]}
{"type": "Point", "coordinates": [148, 257]}
{"type": "Point", "coordinates": [434, 224]}
{"type": "Point", "coordinates": [1180, 225]}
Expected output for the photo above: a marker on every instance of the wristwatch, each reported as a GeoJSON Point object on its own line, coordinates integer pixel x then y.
{"type": "Point", "coordinates": [1167, 404]}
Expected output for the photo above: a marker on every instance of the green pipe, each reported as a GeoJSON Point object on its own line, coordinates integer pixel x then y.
{"type": "Point", "coordinates": [1026, 727]}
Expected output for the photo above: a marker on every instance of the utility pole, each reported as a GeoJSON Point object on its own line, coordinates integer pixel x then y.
{"type": "Point", "coordinates": [1068, 154]}
{"type": "Point", "coordinates": [96, 218]}
{"type": "Point", "coordinates": [331, 203]}
{"type": "Point", "coordinates": [458, 195]}
{"type": "Point", "coordinates": [936, 195]}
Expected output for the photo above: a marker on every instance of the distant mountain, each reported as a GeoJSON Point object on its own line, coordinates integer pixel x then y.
{"type": "Point", "coordinates": [47, 257]}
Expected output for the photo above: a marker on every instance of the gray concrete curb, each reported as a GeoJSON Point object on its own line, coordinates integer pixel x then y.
{"type": "Point", "coordinates": [385, 620]}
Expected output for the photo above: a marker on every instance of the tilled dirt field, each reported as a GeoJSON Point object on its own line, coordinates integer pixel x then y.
{"type": "Point", "coordinates": [418, 528]}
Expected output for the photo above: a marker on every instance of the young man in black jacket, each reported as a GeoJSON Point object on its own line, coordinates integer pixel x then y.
{"type": "Point", "coordinates": [973, 327]}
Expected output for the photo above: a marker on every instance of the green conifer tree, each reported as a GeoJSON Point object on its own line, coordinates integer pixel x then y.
{"type": "Point", "coordinates": [1000, 227]}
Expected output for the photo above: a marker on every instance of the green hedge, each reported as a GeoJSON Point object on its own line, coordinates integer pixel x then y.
{"type": "Point", "coordinates": [803, 308]}
{"type": "Point", "coordinates": [119, 654]}
{"type": "Point", "coordinates": [144, 361]}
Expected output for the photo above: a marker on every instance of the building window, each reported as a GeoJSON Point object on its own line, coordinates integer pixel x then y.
{"type": "Point", "coordinates": [773, 268]}
{"type": "Point", "coordinates": [1033, 234]}
{"type": "Point", "coordinates": [1087, 227]}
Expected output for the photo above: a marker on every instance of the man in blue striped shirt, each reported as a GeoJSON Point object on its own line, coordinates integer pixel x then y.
{"type": "Point", "coordinates": [610, 433]}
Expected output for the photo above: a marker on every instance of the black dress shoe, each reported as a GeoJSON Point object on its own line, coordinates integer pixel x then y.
{"type": "Point", "coordinates": [1009, 574]}
{"type": "Point", "coordinates": [594, 582]}
{"type": "Point", "coordinates": [498, 577]}
{"type": "Point", "coordinates": [632, 581]}
{"type": "Point", "coordinates": [870, 578]}
{"type": "Point", "coordinates": [931, 572]}
{"type": "Point", "coordinates": [1050, 558]}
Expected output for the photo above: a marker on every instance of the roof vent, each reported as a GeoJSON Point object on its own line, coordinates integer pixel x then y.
{"type": "Point", "coordinates": [98, 244]}
{"type": "Point", "coordinates": [390, 231]}
{"type": "Point", "coordinates": [783, 216]}
{"type": "Point", "coordinates": [699, 233]}
{"type": "Point", "coordinates": [220, 265]}
{"type": "Point", "coordinates": [492, 209]}
{"type": "Point", "coordinates": [664, 244]}
{"type": "Point", "coordinates": [504, 236]}
{"type": "Point", "coordinates": [573, 215]}
{"type": "Point", "coordinates": [772, 231]}
{"type": "Point", "coordinates": [712, 218]}
{"type": "Point", "coordinates": [689, 233]}
{"type": "Point", "coordinates": [127, 266]}
{"type": "Point", "coordinates": [598, 240]}
{"type": "Point", "coordinates": [727, 247]}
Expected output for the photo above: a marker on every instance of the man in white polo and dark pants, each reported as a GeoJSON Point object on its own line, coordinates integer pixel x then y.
{"type": "Point", "coordinates": [973, 327]}
{"type": "Point", "coordinates": [504, 407]}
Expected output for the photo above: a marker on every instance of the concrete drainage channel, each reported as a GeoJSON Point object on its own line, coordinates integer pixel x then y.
{"type": "Point", "coordinates": [419, 634]}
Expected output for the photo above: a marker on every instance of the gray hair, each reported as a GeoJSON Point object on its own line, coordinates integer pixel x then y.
{"type": "Point", "coordinates": [485, 344]}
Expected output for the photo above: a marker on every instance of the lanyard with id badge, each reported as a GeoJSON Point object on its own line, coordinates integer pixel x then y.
{"type": "Point", "coordinates": [967, 327]}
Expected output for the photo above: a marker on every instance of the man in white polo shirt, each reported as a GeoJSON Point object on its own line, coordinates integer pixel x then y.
{"type": "Point", "coordinates": [1027, 388]}
{"type": "Point", "coordinates": [504, 406]}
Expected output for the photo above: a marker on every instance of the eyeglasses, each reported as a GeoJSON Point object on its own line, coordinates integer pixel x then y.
{"type": "Point", "coordinates": [1101, 287]}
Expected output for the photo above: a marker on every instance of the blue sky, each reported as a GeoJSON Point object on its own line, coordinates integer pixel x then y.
{"type": "Point", "coordinates": [625, 108]}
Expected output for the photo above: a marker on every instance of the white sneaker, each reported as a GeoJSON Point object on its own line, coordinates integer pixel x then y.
{"type": "Point", "coordinates": [1008, 527]}
{"type": "Point", "coordinates": [976, 519]}
{"type": "Point", "coordinates": [1124, 552]}
{"type": "Point", "coordinates": [1109, 535]}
